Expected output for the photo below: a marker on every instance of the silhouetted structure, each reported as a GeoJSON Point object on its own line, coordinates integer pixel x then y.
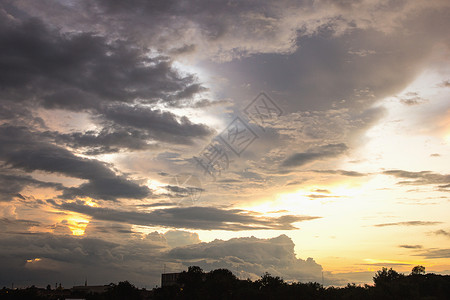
{"type": "Point", "coordinates": [90, 289]}
{"type": "Point", "coordinates": [169, 279]}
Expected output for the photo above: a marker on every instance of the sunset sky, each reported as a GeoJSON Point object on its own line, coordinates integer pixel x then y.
{"type": "Point", "coordinates": [299, 138]}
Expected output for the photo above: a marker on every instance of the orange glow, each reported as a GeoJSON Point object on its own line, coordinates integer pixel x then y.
{"type": "Point", "coordinates": [88, 201]}
{"type": "Point", "coordinates": [77, 225]}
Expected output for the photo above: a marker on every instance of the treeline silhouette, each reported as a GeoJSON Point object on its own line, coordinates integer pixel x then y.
{"type": "Point", "coordinates": [223, 284]}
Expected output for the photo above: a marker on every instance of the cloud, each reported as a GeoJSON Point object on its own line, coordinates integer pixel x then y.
{"type": "Point", "coordinates": [442, 232]}
{"type": "Point", "coordinates": [408, 223]}
{"type": "Point", "coordinates": [112, 253]}
{"type": "Point", "coordinates": [444, 84]}
{"type": "Point", "coordinates": [114, 80]}
{"type": "Point", "coordinates": [106, 141]}
{"type": "Point", "coordinates": [226, 30]}
{"type": "Point", "coordinates": [132, 128]}
{"type": "Point", "coordinates": [250, 257]}
{"type": "Point", "coordinates": [320, 196]}
{"type": "Point", "coordinates": [389, 265]}
{"type": "Point", "coordinates": [412, 98]}
{"type": "Point", "coordinates": [419, 178]}
{"type": "Point", "coordinates": [12, 184]}
{"type": "Point", "coordinates": [314, 154]}
{"type": "Point", "coordinates": [342, 172]}
{"type": "Point", "coordinates": [179, 238]}
{"type": "Point", "coordinates": [16, 226]}
{"type": "Point", "coordinates": [39, 258]}
{"type": "Point", "coordinates": [77, 71]}
{"type": "Point", "coordinates": [411, 246]}
{"type": "Point", "coordinates": [29, 151]}
{"type": "Point", "coordinates": [205, 218]}
{"type": "Point", "coordinates": [159, 125]}
{"type": "Point", "coordinates": [435, 253]}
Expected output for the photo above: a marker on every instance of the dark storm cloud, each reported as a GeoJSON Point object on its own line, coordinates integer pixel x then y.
{"type": "Point", "coordinates": [30, 151]}
{"type": "Point", "coordinates": [41, 258]}
{"type": "Point", "coordinates": [205, 218]}
{"type": "Point", "coordinates": [213, 27]}
{"type": "Point", "coordinates": [12, 184]}
{"type": "Point", "coordinates": [408, 223]}
{"type": "Point", "coordinates": [107, 140]}
{"type": "Point", "coordinates": [16, 226]}
{"type": "Point", "coordinates": [420, 178]}
{"type": "Point", "coordinates": [159, 125]}
{"type": "Point", "coordinates": [134, 128]}
{"type": "Point", "coordinates": [85, 71]}
{"type": "Point", "coordinates": [315, 154]}
{"type": "Point", "coordinates": [81, 70]}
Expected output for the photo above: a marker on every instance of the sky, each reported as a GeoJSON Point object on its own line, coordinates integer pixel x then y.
{"type": "Point", "coordinates": [307, 139]}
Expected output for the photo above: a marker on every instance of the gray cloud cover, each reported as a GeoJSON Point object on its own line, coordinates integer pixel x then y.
{"type": "Point", "coordinates": [206, 218]}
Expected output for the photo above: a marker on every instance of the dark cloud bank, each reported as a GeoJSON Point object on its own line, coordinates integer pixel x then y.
{"type": "Point", "coordinates": [113, 254]}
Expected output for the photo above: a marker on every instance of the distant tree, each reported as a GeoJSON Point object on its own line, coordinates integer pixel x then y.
{"type": "Point", "coordinates": [221, 283]}
{"type": "Point", "coordinates": [49, 288]}
{"type": "Point", "coordinates": [123, 290]}
{"type": "Point", "coordinates": [195, 270]}
{"type": "Point", "coordinates": [269, 281]}
{"type": "Point", "coordinates": [417, 270]}
{"type": "Point", "coordinates": [385, 276]}
{"type": "Point", "coordinates": [192, 282]}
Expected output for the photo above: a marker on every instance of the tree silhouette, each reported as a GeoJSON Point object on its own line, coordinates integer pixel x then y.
{"type": "Point", "coordinates": [417, 270]}
{"type": "Point", "coordinates": [385, 276]}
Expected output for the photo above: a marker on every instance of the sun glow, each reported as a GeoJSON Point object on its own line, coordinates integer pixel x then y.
{"type": "Point", "coordinates": [77, 225]}
{"type": "Point", "coordinates": [156, 186]}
